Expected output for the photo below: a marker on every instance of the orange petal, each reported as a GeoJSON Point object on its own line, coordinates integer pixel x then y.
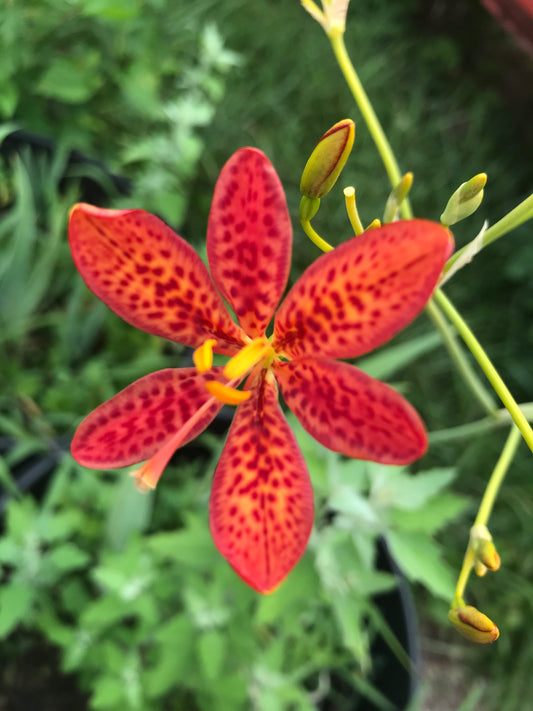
{"type": "Point", "coordinates": [261, 507]}
{"type": "Point", "coordinates": [137, 422]}
{"type": "Point", "coordinates": [150, 276]}
{"type": "Point", "coordinates": [356, 297]}
{"type": "Point", "coordinates": [350, 412]}
{"type": "Point", "coordinates": [249, 238]}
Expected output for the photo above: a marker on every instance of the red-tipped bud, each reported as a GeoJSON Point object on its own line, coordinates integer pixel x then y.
{"type": "Point", "coordinates": [328, 159]}
{"type": "Point", "coordinates": [473, 624]}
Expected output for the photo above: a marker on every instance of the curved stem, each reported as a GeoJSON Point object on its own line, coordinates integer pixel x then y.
{"type": "Point", "coordinates": [369, 115]}
{"type": "Point", "coordinates": [490, 371]}
{"type": "Point", "coordinates": [463, 365]}
{"type": "Point", "coordinates": [499, 419]}
{"type": "Point", "coordinates": [315, 237]}
{"type": "Point", "coordinates": [487, 503]}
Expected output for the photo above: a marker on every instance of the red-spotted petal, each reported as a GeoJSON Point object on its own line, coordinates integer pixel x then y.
{"type": "Point", "coordinates": [249, 238]}
{"type": "Point", "coordinates": [134, 424]}
{"type": "Point", "coordinates": [150, 276]}
{"type": "Point", "coordinates": [261, 507]}
{"type": "Point", "coordinates": [359, 295]}
{"type": "Point", "coordinates": [350, 412]}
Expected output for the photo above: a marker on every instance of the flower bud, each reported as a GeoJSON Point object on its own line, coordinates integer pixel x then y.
{"type": "Point", "coordinates": [473, 624]}
{"type": "Point", "coordinates": [328, 159]}
{"type": "Point", "coordinates": [465, 200]}
{"type": "Point", "coordinates": [397, 196]}
{"type": "Point", "coordinates": [485, 553]}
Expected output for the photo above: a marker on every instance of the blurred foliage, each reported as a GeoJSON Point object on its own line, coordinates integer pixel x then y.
{"type": "Point", "coordinates": [160, 621]}
{"type": "Point", "coordinates": [128, 82]}
{"type": "Point", "coordinates": [156, 94]}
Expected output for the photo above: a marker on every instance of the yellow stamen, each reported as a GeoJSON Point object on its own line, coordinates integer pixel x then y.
{"type": "Point", "coordinates": [351, 209]}
{"type": "Point", "coordinates": [246, 358]}
{"type": "Point", "coordinates": [230, 396]}
{"type": "Point", "coordinates": [374, 224]}
{"type": "Point", "coordinates": [203, 356]}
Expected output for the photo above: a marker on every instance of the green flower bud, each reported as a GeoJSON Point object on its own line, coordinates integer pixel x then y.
{"type": "Point", "coordinates": [473, 624]}
{"type": "Point", "coordinates": [397, 196]}
{"type": "Point", "coordinates": [465, 200]}
{"type": "Point", "coordinates": [328, 159]}
{"type": "Point", "coordinates": [486, 555]}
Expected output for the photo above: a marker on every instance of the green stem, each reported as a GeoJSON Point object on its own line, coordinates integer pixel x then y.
{"type": "Point", "coordinates": [520, 214]}
{"type": "Point", "coordinates": [499, 419]}
{"type": "Point", "coordinates": [497, 477]}
{"type": "Point", "coordinates": [463, 365]}
{"type": "Point", "coordinates": [486, 365]}
{"type": "Point", "coordinates": [369, 115]}
{"type": "Point", "coordinates": [315, 237]}
{"type": "Point", "coordinates": [486, 505]}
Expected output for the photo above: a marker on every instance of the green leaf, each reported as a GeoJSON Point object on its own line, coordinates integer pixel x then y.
{"type": "Point", "coordinates": [348, 610]}
{"type": "Point", "coordinates": [174, 644]}
{"type": "Point", "coordinates": [408, 491]}
{"type": "Point", "coordinates": [211, 649]}
{"type": "Point", "coordinates": [15, 604]}
{"type": "Point", "coordinates": [420, 559]}
{"type": "Point", "coordinates": [117, 10]}
{"type": "Point", "coordinates": [66, 557]}
{"type": "Point", "coordinates": [129, 513]}
{"type": "Point", "coordinates": [192, 546]}
{"type": "Point", "coordinates": [431, 516]}
{"type": "Point", "coordinates": [21, 517]}
{"type": "Point", "coordinates": [72, 80]}
{"type": "Point", "coordinates": [109, 693]}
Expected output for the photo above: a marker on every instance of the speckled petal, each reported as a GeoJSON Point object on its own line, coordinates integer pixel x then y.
{"type": "Point", "coordinates": [356, 297]}
{"type": "Point", "coordinates": [261, 508]}
{"type": "Point", "coordinates": [150, 276]}
{"type": "Point", "coordinates": [134, 424]}
{"type": "Point", "coordinates": [350, 412]}
{"type": "Point", "coordinates": [249, 238]}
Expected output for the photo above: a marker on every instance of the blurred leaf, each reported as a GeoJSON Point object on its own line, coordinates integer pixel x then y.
{"type": "Point", "coordinates": [175, 640]}
{"type": "Point", "coordinates": [420, 560]}
{"type": "Point", "coordinates": [72, 80]}
{"type": "Point", "coordinates": [191, 545]}
{"type": "Point", "coordinates": [129, 512]}
{"type": "Point", "coordinates": [431, 516]}
{"type": "Point", "coordinates": [396, 487]}
{"type": "Point", "coordinates": [211, 649]}
{"type": "Point", "coordinates": [108, 693]}
{"type": "Point", "coordinates": [66, 557]}
{"type": "Point", "coordinates": [15, 603]}
{"type": "Point", "coordinates": [117, 10]}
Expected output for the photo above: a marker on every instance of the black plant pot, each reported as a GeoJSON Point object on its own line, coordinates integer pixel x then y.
{"type": "Point", "coordinates": [19, 142]}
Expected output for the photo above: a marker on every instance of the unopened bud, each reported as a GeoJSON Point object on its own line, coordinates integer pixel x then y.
{"type": "Point", "coordinates": [473, 624]}
{"type": "Point", "coordinates": [328, 159]}
{"type": "Point", "coordinates": [485, 554]}
{"type": "Point", "coordinates": [397, 196]}
{"type": "Point", "coordinates": [465, 200]}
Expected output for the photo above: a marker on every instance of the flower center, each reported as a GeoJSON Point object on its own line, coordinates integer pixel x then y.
{"type": "Point", "coordinates": [250, 355]}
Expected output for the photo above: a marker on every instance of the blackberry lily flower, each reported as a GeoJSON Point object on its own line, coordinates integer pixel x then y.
{"type": "Point", "coordinates": [346, 303]}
